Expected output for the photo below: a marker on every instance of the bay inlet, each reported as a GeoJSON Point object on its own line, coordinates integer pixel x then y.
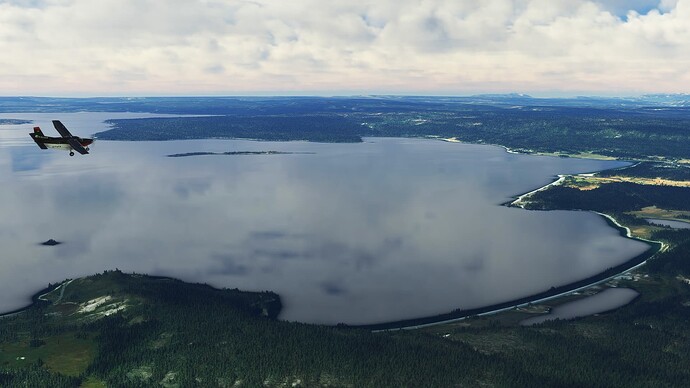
{"type": "Point", "coordinates": [384, 230]}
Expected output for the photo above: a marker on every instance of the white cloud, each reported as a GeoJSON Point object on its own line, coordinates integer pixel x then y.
{"type": "Point", "coordinates": [127, 47]}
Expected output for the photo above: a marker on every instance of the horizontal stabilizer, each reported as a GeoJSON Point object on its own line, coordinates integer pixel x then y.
{"type": "Point", "coordinates": [39, 143]}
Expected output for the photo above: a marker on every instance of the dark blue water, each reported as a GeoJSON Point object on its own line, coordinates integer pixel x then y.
{"type": "Point", "coordinates": [356, 233]}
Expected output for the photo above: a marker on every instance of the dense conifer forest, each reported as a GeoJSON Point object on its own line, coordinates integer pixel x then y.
{"type": "Point", "coordinates": [612, 197]}
{"type": "Point", "coordinates": [631, 133]}
{"type": "Point", "coordinates": [652, 170]}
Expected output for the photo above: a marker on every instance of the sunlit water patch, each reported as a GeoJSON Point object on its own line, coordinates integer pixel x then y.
{"type": "Point", "coordinates": [357, 233]}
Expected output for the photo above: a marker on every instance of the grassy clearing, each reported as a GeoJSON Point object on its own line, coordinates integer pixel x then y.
{"type": "Point", "coordinates": [644, 181]}
{"type": "Point", "coordinates": [642, 231]}
{"type": "Point", "coordinates": [65, 354]}
{"type": "Point", "coordinates": [579, 155]}
{"type": "Point", "coordinates": [592, 182]}
{"type": "Point", "coordinates": [93, 382]}
{"type": "Point", "coordinates": [69, 355]}
{"type": "Point", "coordinates": [581, 182]}
{"type": "Point", "coordinates": [655, 212]}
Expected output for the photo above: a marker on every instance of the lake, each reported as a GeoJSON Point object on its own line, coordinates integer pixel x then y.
{"type": "Point", "coordinates": [359, 233]}
{"type": "Point", "coordinates": [607, 300]}
{"type": "Point", "coordinates": [669, 223]}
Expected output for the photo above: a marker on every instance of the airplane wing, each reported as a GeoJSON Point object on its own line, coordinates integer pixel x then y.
{"type": "Point", "coordinates": [76, 146]}
{"type": "Point", "coordinates": [63, 130]}
{"type": "Point", "coordinates": [72, 140]}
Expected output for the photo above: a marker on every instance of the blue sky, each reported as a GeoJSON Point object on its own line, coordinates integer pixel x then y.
{"type": "Point", "coordinates": [210, 47]}
{"type": "Point", "coordinates": [622, 7]}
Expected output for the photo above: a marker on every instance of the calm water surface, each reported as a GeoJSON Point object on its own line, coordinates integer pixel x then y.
{"type": "Point", "coordinates": [670, 223]}
{"type": "Point", "coordinates": [606, 300]}
{"type": "Point", "coordinates": [355, 233]}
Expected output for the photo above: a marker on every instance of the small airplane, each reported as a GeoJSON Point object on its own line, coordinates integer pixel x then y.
{"type": "Point", "coordinates": [67, 142]}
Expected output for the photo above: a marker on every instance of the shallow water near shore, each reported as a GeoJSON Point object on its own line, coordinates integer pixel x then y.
{"type": "Point", "coordinates": [361, 233]}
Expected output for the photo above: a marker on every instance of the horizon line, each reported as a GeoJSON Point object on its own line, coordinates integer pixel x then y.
{"type": "Point", "coordinates": [533, 95]}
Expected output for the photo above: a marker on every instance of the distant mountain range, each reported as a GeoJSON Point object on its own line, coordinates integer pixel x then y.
{"type": "Point", "coordinates": [676, 100]}
{"type": "Point", "coordinates": [648, 100]}
{"type": "Point", "coordinates": [281, 104]}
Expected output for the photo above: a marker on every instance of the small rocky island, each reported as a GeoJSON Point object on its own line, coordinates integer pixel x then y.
{"type": "Point", "coordinates": [51, 243]}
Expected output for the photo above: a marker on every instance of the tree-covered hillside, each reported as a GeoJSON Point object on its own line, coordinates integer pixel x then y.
{"type": "Point", "coordinates": [149, 331]}
{"type": "Point", "coordinates": [116, 329]}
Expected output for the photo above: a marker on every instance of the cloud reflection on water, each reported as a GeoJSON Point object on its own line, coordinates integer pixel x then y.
{"type": "Point", "coordinates": [356, 233]}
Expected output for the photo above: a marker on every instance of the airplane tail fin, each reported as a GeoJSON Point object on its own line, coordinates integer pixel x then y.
{"type": "Point", "coordinates": [37, 132]}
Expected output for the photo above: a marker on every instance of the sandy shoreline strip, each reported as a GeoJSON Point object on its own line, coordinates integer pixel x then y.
{"type": "Point", "coordinates": [520, 201]}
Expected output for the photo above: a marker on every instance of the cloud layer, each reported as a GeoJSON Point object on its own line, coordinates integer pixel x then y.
{"type": "Point", "coordinates": [127, 47]}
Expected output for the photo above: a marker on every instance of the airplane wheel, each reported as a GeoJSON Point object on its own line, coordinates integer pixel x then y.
{"type": "Point", "coordinates": [71, 153]}
{"type": "Point", "coordinates": [88, 149]}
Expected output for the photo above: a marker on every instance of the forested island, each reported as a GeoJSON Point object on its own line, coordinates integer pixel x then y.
{"type": "Point", "coordinates": [637, 133]}
{"type": "Point", "coordinates": [14, 122]}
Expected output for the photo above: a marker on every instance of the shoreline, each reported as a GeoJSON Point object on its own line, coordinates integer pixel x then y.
{"type": "Point", "coordinates": [39, 298]}
{"type": "Point", "coordinates": [458, 315]}
{"type": "Point", "coordinates": [35, 299]}
{"type": "Point", "coordinates": [628, 232]}
{"type": "Point", "coordinates": [519, 200]}
{"type": "Point", "coordinates": [560, 291]}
